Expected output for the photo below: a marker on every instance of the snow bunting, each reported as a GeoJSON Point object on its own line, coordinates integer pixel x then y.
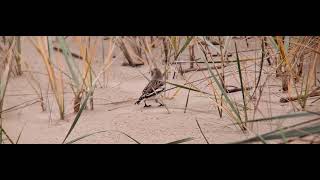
{"type": "Point", "coordinates": [153, 89]}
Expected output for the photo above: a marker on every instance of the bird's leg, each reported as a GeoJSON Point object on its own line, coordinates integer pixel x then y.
{"type": "Point", "coordinates": [145, 104]}
{"type": "Point", "coordinates": [159, 103]}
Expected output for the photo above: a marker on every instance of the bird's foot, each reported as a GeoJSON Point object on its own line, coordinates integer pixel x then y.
{"type": "Point", "coordinates": [160, 105]}
{"type": "Point", "coordinates": [146, 106]}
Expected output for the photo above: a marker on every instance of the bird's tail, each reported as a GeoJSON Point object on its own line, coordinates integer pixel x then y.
{"type": "Point", "coordinates": [140, 99]}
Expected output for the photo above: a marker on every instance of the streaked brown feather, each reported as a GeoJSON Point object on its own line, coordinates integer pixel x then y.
{"type": "Point", "coordinates": [152, 86]}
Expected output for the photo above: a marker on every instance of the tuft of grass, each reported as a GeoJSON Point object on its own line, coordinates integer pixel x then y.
{"type": "Point", "coordinates": [5, 75]}
{"type": "Point", "coordinates": [35, 84]}
{"type": "Point", "coordinates": [89, 91]}
{"type": "Point", "coordinates": [56, 81]}
{"type": "Point", "coordinates": [225, 95]}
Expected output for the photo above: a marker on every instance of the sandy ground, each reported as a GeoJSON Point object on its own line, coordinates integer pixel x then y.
{"type": "Point", "coordinates": [147, 125]}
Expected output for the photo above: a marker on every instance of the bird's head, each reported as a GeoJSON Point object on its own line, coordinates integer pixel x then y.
{"type": "Point", "coordinates": [156, 74]}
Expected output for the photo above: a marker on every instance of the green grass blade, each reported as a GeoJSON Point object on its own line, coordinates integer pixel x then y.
{"type": "Point", "coordinates": [187, 88]}
{"type": "Point", "coordinates": [288, 116]}
{"type": "Point", "coordinates": [273, 43]}
{"type": "Point", "coordinates": [5, 133]}
{"type": "Point", "coordinates": [224, 93]}
{"type": "Point", "coordinates": [83, 105]}
{"type": "Point", "coordinates": [280, 131]}
{"type": "Point", "coordinates": [209, 43]}
{"type": "Point", "coordinates": [73, 68]}
{"type": "Point", "coordinates": [242, 86]}
{"type": "Point", "coordinates": [189, 39]}
{"type": "Point", "coordinates": [261, 67]}
{"type": "Point", "coordinates": [50, 48]}
{"type": "Point", "coordinates": [85, 136]}
{"type": "Point", "coordinates": [293, 115]}
{"type": "Point", "coordinates": [226, 45]}
{"type": "Point", "coordinates": [279, 134]}
{"type": "Point", "coordinates": [286, 43]}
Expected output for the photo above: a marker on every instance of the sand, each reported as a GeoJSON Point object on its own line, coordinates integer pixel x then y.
{"type": "Point", "coordinates": [147, 125]}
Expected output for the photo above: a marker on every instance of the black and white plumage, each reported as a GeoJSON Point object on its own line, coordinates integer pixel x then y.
{"type": "Point", "coordinates": [154, 88]}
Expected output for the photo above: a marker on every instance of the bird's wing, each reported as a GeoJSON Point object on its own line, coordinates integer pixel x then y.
{"type": "Point", "coordinates": [153, 87]}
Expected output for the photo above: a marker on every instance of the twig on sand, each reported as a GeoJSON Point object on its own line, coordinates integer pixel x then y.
{"type": "Point", "coordinates": [288, 99]}
{"type": "Point", "coordinates": [72, 54]}
{"type": "Point", "coordinates": [133, 64]}
{"type": "Point", "coordinates": [118, 102]}
{"type": "Point", "coordinates": [198, 69]}
{"type": "Point", "coordinates": [236, 89]}
{"type": "Point", "coordinates": [5, 133]}
{"type": "Point", "coordinates": [187, 101]}
{"type": "Point", "coordinates": [315, 100]}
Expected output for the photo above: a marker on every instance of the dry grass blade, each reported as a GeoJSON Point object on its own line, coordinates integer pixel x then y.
{"type": "Point", "coordinates": [4, 77]}
{"type": "Point", "coordinates": [181, 141]}
{"type": "Point", "coordinates": [18, 55]}
{"type": "Point", "coordinates": [202, 132]}
{"type": "Point", "coordinates": [35, 84]}
{"type": "Point", "coordinates": [20, 106]}
{"type": "Point", "coordinates": [56, 83]}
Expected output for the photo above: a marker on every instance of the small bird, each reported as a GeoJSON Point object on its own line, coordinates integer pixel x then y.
{"type": "Point", "coordinates": [154, 88]}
